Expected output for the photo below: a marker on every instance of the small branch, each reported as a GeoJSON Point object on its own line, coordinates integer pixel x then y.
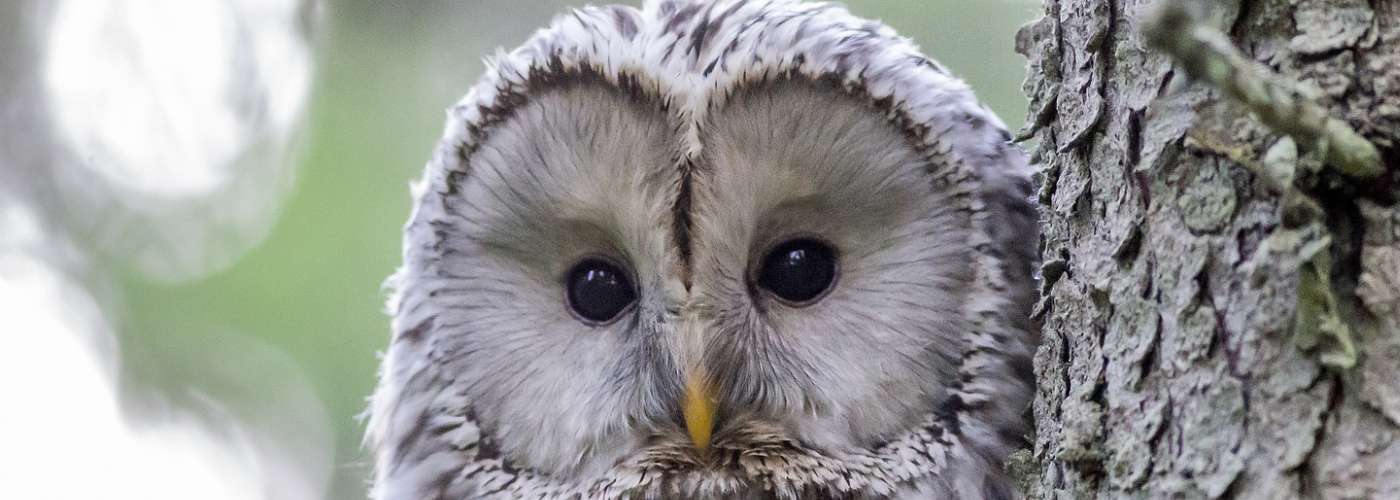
{"type": "Point", "coordinates": [1208, 54]}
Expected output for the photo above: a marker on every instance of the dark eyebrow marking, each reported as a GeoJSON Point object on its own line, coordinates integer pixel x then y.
{"type": "Point", "coordinates": [680, 221]}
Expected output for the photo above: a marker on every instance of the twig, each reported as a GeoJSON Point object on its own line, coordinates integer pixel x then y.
{"type": "Point", "coordinates": [1208, 54]}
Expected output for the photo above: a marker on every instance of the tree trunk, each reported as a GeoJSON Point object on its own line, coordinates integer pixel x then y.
{"type": "Point", "coordinates": [1204, 336]}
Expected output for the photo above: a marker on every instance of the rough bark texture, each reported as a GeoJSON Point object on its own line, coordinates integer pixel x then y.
{"type": "Point", "coordinates": [1174, 271]}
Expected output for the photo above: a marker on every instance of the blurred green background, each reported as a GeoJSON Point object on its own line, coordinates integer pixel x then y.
{"type": "Point", "coordinates": [384, 73]}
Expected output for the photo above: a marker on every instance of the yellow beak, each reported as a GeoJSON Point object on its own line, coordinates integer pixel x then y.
{"type": "Point", "coordinates": [698, 408]}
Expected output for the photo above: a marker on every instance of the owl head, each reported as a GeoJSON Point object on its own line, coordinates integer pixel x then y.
{"type": "Point", "coordinates": [710, 249]}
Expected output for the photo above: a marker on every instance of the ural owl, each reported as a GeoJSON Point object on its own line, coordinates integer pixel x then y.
{"type": "Point", "coordinates": [733, 249]}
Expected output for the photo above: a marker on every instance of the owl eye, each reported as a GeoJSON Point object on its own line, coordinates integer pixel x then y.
{"type": "Point", "coordinates": [799, 271]}
{"type": "Point", "coordinates": [598, 291]}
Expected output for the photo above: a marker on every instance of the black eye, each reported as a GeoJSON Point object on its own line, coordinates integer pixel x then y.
{"type": "Point", "coordinates": [799, 270]}
{"type": "Point", "coordinates": [599, 291]}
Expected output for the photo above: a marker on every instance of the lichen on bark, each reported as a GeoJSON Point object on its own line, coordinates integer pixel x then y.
{"type": "Point", "coordinates": [1174, 259]}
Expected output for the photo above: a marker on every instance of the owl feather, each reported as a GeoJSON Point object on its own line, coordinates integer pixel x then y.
{"type": "Point", "coordinates": [683, 140]}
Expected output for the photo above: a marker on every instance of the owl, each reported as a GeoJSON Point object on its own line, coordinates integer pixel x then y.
{"type": "Point", "coordinates": [731, 249]}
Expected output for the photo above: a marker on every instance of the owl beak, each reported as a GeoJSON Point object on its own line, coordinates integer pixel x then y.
{"type": "Point", "coordinates": [698, 408]}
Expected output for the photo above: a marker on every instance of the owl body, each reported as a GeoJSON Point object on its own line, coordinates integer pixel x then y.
{"type": "Point", "coordinates": [743, 249]}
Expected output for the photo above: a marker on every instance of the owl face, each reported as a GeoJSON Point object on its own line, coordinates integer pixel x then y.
{"type": "Point", "coordinates": [730, 248]}
{"type": "Point", "coordinates": [848, 354]}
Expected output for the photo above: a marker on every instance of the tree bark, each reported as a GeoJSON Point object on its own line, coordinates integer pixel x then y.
{"type": "Point", "coordinates": [1210, 332]}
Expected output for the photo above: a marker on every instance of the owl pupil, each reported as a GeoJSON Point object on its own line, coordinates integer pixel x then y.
{"type": "Point", "coordinates": [799, 270]}
{"type": "Point", "coordinates": [599, 291]}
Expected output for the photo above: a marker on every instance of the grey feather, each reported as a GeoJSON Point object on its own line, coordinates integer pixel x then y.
{"type": "Point", "coordinates": [683, 140]}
